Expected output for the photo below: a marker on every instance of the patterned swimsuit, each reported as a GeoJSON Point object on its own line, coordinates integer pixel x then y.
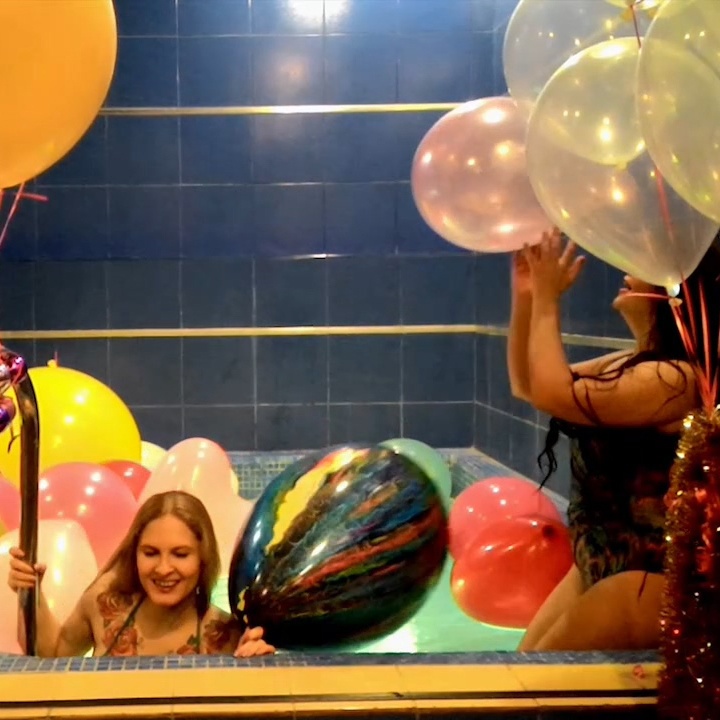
{"type": "Point", "coordinates": [616, 512]}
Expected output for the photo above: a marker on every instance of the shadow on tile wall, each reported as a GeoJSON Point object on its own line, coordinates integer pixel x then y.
{"type": "Point", "coordinates": [166, 221]}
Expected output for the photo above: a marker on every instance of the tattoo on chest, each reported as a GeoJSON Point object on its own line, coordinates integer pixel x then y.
{"type": "Point", "coordinates": [122, 638]}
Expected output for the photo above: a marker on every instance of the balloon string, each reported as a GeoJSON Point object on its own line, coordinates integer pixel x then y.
{"type": "Point", "coordinates": [19, 195]}
{"type": "Point", "coordinates": [707, 376]}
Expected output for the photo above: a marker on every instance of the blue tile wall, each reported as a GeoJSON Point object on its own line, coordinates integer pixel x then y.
{"type": "Point", "coordinates": [218, 220]}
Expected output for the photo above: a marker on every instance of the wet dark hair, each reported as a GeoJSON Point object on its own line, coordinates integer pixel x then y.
{"type": "Point", "coordinates": [663, 344]}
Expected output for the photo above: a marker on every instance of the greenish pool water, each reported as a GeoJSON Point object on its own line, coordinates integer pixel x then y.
{"type": "Point", "coordinates": [438, 627]}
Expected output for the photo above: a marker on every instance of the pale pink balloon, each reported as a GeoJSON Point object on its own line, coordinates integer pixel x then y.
{"type": "Point", "coordinates": [92, 495]}
{"type": "Point", "coordinates": [9, 505]}
{"type": "Point", "coordinates": [71, 566]}
{"type": "Point", "coordinates": [229, 521]}
{"type": "Point", "coordinates": [470, 180]}
{"type": "Point", "coordinates": [197, 466]}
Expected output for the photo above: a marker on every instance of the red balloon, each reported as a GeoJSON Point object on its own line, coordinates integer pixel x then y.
{"type": "Point", "coordinates": [490, 500]}
{"type": "Point", "coordinates": [510, 570]}
{"type": "Point", "coordinates": [92, 495]}
{"type": "Point", "coordinates": [9, 506]}
{"type": "Point", "coordinates": [134, 474]}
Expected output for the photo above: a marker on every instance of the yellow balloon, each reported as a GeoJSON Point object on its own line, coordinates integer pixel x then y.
{"type": "Point", "coordinates": [679, 99]}
{"type": "Point", "coordinates": [624, 214]}
{"type": "Point", "coordinates": [81, 420]}
{"type": "Point", "coordinates": [543, 34]}
{"type": "Point", "coordinates": [58, 59]}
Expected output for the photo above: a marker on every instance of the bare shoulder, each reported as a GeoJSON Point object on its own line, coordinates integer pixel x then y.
{"type": "Point", "coordinates": [678, 373]}
{"type": "Point", "coordinates": [602, 364]}
{"type": "Point", "coordinates": [220, 632]}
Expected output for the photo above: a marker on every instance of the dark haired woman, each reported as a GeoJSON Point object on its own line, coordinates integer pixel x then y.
{"type": "Point", "coordinates": [622, 413]}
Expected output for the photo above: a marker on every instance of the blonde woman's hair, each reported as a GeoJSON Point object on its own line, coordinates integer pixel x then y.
{"type": "Point", "coordinates": [186, 508]}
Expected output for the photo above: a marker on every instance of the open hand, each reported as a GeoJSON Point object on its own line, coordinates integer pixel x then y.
{"type": "Point", "coordinates": [252, 644]}
{"type": "Point", "coordinates": [553, 269]}
{"type": "Point", "coordinates": [23, 575]}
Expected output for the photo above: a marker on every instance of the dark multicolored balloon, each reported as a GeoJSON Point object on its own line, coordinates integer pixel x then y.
{"type": "Point", "coordinates": [342, 546]}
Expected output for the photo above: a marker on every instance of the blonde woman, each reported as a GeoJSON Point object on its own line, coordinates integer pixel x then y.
{"type": "Point", "coordinates": [153, 595]}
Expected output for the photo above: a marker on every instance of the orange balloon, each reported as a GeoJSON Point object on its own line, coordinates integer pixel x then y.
{"type": "Point", "coordinates": [58, 60]}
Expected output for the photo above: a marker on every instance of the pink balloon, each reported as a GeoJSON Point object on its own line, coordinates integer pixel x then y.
{"type": "Point", "coordinates": [229, 521]}
{"type": "Point", "coordinates": [490, 500]}
{"type": "Point", "coordinates": [510, 570]}
{"type": "Point", "coordinates": [92, 495]}
{"type": "Point", "coordinates": [9, 506]}
{"type": "Point", "coordinates": [470, 180]}
{"type": "Point", "coordinates": [133, 474]}
{"type": "Point", "coordinates": [197, 466]}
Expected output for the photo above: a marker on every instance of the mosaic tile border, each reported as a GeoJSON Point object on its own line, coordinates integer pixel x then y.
{"type": "Point", "coordinates": [23, 664]}
{"type": "Point", "coordinates": [255, 470]}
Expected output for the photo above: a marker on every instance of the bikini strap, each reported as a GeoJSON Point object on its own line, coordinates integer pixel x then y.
{"type": "Point", "coordinates": [128, 621]}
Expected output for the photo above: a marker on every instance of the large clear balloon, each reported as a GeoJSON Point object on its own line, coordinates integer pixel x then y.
{"type": "Point", "coordinates": [543, 34]}
{"type": "Point", "coordinates": [679, 99]}
{"type": "Point", "coordinates": [58, 59]}
{"type": "Point", "coordinates": [624, 214]}
{"type": "Point", "coordinates": [591, 110]}
{"type": "Point", "coordinates": [469, 178]}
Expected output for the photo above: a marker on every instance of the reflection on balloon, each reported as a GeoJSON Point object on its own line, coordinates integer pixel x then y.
{"type": "Point", "coordinates": [469, 178]}
{"type": "Point", "coordinates": [590, 106]}
{"type": "Point", "coordinates": [340, 548]}
{"type": "Point", "coordinates": [511, 569]}
{"type": "Point", "coordinates": [679, 99]}
{"type": "Point", "coordinates": [71, 566]}
{"type": "Point", "coordinates": [624, 214]}
{"type": "Point", "coordinates": [488, 501]}
{"type": "Point", "coordinates": [133, 474]}
{"type": "Point", "coordinates": [83, 420]}
{"type": "Point", "coordinates": [543, 34]}
{"type": "Point", "coordinates": [94, 497]}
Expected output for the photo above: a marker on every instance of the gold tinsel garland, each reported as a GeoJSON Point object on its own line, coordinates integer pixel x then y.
{"type": "Point", "coordinates": [690, 618]}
